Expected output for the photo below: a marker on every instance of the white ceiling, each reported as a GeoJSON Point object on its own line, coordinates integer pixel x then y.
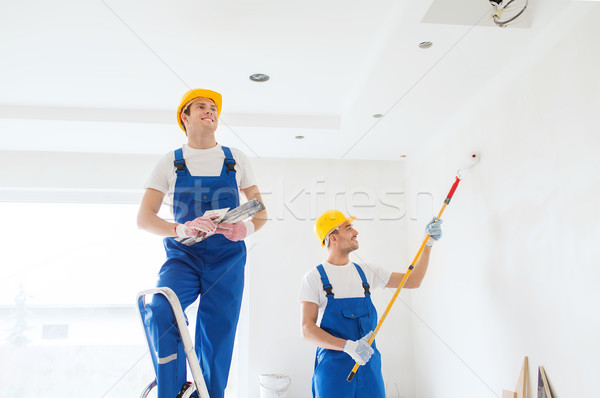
{"type": "Point", "coordinates": [107, 75]}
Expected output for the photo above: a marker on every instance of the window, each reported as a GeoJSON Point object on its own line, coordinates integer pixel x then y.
{"type": "Point", "coordinates": [71, 272]}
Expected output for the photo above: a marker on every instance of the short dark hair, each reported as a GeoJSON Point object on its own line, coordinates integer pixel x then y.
{"type": "Point", "coordinates": [335, 230]}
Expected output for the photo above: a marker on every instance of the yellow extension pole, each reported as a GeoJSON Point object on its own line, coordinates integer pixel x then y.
{"type": "Point", "coordinates": [406, 275]}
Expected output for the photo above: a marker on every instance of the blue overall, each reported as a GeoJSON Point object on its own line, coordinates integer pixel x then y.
{"type": "Point", "coordinates": [212, 268]}
{"type": "Point", "coordinates": [350, 319]}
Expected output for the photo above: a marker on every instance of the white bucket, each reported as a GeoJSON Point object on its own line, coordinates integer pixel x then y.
{"type": "Point", "coordinates": [274, 385]}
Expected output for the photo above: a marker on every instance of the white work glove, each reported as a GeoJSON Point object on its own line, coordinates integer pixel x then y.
{"type": "Point", "coordinates": [434, 229]}
{"type": "Point", "coordinates": [192, 229]}
{"type": "Point", "coordinates": [359, 350]}
{"type": "Point", "coordinates": [234, 232]}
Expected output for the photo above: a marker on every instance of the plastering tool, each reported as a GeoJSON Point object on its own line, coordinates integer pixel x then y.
{"type": "Point", "coordinates": [226, 216]}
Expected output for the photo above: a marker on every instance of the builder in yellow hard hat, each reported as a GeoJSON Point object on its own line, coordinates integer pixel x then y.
{"type": "Point", "coordinates": [338, 292]}
{"type": "Point", "coordinates": [197, 178]}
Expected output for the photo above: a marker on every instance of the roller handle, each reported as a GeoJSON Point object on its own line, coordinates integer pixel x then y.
{"type": "Point", "coordinates": [351, 375]}
{"type": "Point", "coordinates": [454, 186]}
{"type": "Point", "coordinates": [406, 275]}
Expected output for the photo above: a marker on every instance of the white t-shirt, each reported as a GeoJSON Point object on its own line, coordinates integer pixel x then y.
{"type": "Point", "coordinates": [200, 162]}
{"type": "Point", "coordinates": [345, 281]}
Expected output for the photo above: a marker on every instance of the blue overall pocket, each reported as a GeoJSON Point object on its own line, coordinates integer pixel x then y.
{"type": "Point", "coordinates": [362, 318]}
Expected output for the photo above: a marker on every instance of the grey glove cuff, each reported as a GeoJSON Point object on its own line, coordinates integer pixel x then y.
{"type": "Point", "coordinates": [430, 242]}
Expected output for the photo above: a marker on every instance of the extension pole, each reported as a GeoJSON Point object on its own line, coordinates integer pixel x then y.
{"type": "Point", "coordinates": [406, 275]}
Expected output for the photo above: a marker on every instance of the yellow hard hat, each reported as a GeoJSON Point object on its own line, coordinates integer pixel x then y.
{"type": "Point", "coordinates": [198, 93]}
{"type": "Point", "coordinates": [328, 221]}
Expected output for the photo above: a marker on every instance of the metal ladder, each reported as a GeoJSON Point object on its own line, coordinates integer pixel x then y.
{"type": "Point", "coordinates": [198, 384]}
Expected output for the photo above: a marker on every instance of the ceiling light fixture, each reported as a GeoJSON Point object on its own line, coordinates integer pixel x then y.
{"type": "Point", "coordinates": [378, 115]}
{"type": "Point", "coordinates": [259, 77]}
{"type": "Point", "coordinates": [425, 44]}
{"type": "Point", "coordinates": [299, 137]}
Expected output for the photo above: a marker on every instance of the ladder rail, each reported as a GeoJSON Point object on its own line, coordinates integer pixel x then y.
{"type": "Point", "coordinates": [184, 332]}
{"type": "Point", "coordinates": [148, 388]}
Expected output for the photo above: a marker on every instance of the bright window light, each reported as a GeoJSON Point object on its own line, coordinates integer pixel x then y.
{"type": "Point", "coordinates": [76, 254]}
{"type": "Point", "coordinates": [79, 267]}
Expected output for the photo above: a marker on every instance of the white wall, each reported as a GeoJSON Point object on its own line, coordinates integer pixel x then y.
{"type": "Point", "coordinates": [295, 191]}
{"type": "Point", "coordinates": [73, 177]}
{"type": "Point", "coordinates": [517, 274]}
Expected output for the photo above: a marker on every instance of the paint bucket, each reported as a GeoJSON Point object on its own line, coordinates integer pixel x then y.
{"type": "Point", "coordinates": [274, 385]}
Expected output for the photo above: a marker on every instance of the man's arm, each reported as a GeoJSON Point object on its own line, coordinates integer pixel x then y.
{"type": "Point", "coordinates": [416, 276]}
{"type": "Point", "coordinates": [260, 218]}
{"type": "Point", "coordinates": [434, 230]}
{"type": "Point", "coordinates": [313, 333]}
{"type": "Point", "coordinates": [148, 218]}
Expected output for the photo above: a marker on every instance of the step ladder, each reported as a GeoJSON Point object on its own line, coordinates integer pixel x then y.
{"type": "Point", "coordinates": [188, 346]}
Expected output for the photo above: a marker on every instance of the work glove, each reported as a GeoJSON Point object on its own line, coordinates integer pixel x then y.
{"type": "Point", "coordinates": [192, 229]}
{"type": "Point", "coordinates": [434, 229]}
{"type": "Point", "coordinates": [359, 350]}
{"type": "Point", "coordinates": [234, 232]}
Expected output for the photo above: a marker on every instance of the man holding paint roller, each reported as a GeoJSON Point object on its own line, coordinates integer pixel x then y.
{"type": "Point", "coordinates": [338, 315]}
{"type": "Point", "coordinates": [196, 178]}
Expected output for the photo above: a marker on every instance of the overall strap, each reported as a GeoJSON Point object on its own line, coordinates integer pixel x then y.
{"type": "Point", "coordinates": [229, 162]}
{"type": "Point", "coordinates": [179, 162]}
{"type": "Point", "coordinates": [363, 278]}
{"type": "Point", "coordinates": [325, 280]}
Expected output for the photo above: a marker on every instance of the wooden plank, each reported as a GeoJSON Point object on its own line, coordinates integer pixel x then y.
{"type": "Point", "coordinates": [543, 385]}
{"type": "Point", "coordinates": [522, 383]}
{"type": "Point", "coordinates": [508, 394]}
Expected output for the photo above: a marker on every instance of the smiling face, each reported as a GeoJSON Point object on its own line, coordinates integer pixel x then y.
{"type": "Point", "coordinates": [344, 238]}
{"type": "Point", "coordinates": [201, 114]}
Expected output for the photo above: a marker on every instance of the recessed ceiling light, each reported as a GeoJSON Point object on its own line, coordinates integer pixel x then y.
{"type": "Point", "coordinates": [425, 44]}
{"type": "Point", "coordinates": [403, 156]}
{"type": "Point", "coordinates": [259, 77]}
{"type": "Point", "coordinates": [299, 137]}
{"type": "Point", "coordinates": [378, 115]}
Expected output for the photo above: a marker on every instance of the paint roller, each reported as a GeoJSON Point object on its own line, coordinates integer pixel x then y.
{"type": "Point", "coordinates": [469, 161]}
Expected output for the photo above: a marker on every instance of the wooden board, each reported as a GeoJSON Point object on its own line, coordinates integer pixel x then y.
{"type": "Point", "coordinates": [543, 390]}
{"type": "Point", "coordinates": [508, 394]}
{"type": "Point", "coordinates": [522, 383]}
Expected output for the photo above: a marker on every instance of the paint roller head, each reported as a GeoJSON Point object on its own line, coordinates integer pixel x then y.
{"type": "Point", "coordinates": [471, 160]}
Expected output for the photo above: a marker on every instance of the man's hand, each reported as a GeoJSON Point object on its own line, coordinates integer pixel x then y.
{"type": "Point", "coordinates": [434, 229]}
{"type": "Point", "coordinates": [234, 232]}
{"type": "Point", "coordinates": [192, 229]}
{"type": "Point", "coordinates": [360, 350]}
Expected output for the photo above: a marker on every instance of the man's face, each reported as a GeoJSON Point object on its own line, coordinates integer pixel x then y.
{"type": "Point", "coordinates": [203, 114]}
{"type": "Point", "coordinates": [346, 237]}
